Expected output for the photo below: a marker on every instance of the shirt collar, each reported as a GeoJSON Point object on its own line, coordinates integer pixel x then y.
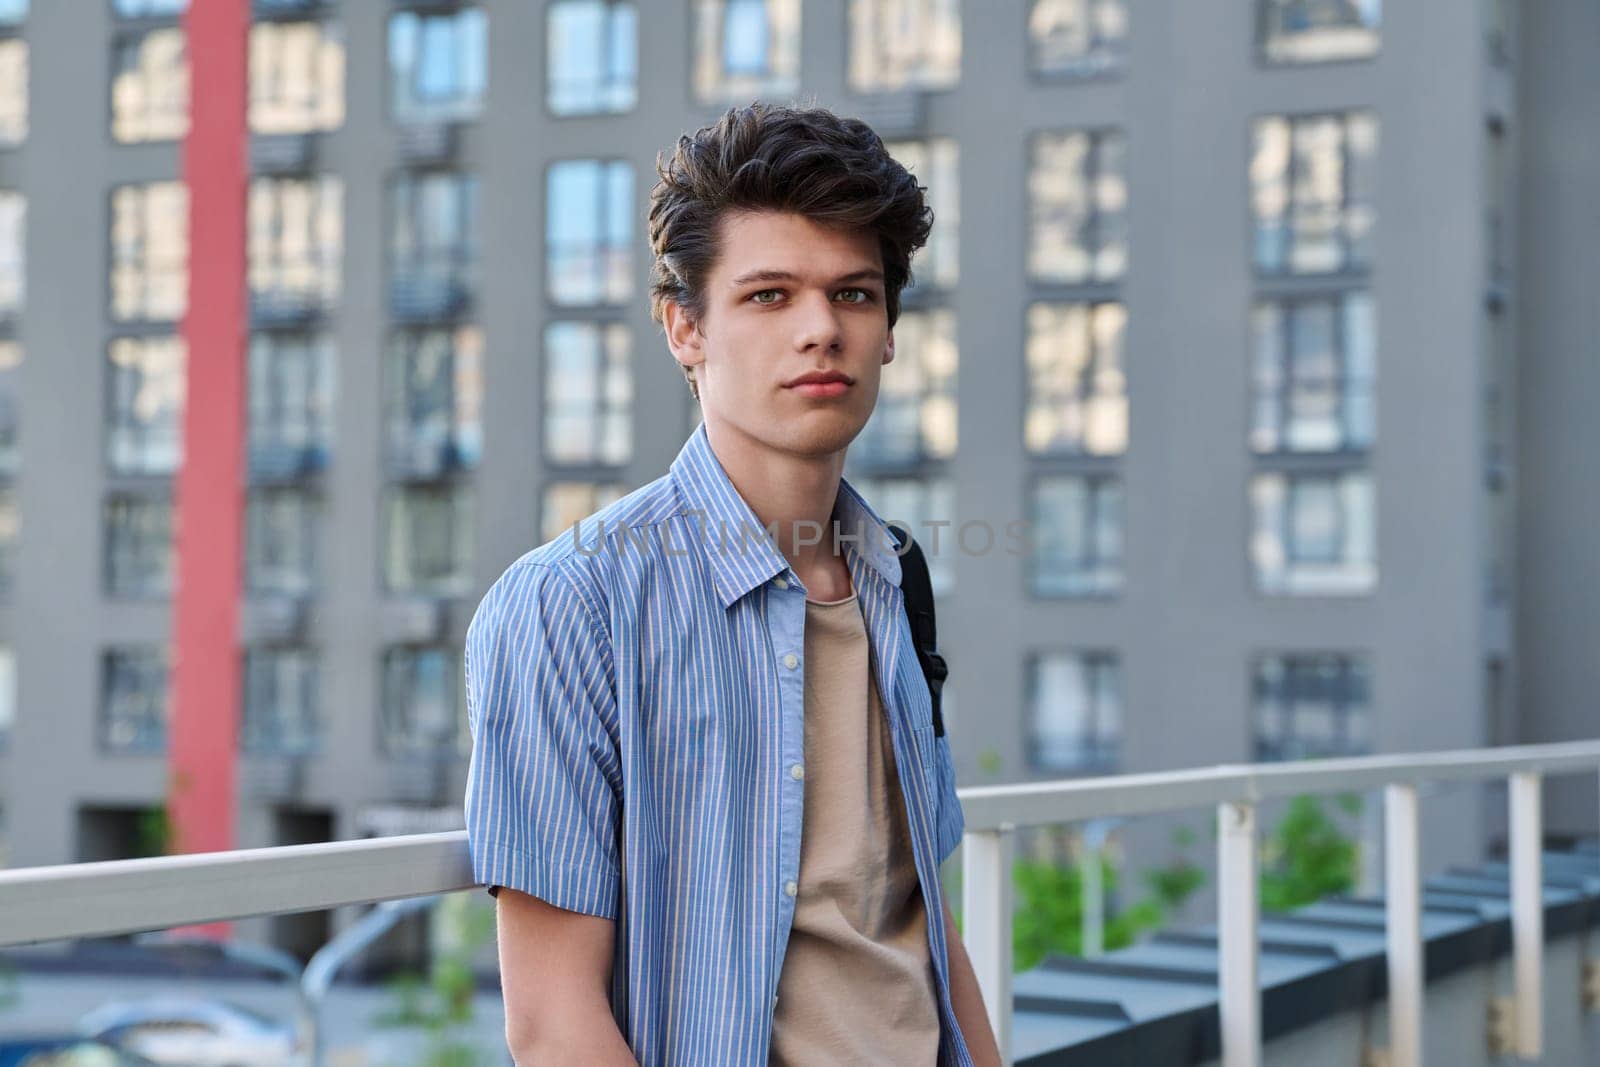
{"type": "Point", "coordinates": [734, 541]}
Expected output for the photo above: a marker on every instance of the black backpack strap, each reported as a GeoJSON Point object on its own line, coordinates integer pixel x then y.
{"type": "Point", "coordinates": [917, 592]}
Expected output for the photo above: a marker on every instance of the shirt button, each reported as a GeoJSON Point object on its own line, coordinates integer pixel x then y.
{"type": "Point", "coordinates": [790, 889]}
{"type": "Point", "coordinates": [791, 661]}
{"type": "Point", "coordinates": [797, 772]}
{"type": "Point", "coordinates": [781, 582]}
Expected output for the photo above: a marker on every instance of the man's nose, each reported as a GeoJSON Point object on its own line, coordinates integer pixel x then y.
{"type": "Point", "coordinates": [818, 323]}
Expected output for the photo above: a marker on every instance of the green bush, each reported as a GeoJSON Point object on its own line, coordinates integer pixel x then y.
{"type": "Point", "coordinates": [1307, 856]}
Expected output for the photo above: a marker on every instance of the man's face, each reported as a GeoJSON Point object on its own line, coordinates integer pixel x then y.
{"type": "Point", "coordinates": [786, 299]}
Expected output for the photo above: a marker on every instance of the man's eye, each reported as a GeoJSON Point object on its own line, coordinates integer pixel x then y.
{"type": "Point", "coordinates": [765, 292]}
{"type": "Point", "coordinates": [862, 293]}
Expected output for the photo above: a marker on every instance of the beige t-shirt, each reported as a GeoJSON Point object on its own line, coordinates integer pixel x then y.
{"type": "Point", "coordinates": [857, 983]}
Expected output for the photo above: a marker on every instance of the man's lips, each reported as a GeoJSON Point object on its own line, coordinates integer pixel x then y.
{"type": "Point", "coordinates": [821, 384]}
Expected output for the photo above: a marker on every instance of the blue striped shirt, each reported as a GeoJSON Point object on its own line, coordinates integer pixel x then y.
{"type": "Point", "coordinates": [634, 689]}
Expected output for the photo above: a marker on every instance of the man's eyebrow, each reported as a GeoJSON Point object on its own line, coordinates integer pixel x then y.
{"type": "Point", "coordinates": [768, 275]}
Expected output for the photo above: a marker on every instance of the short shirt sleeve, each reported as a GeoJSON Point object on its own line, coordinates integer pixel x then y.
{"type": "Point", "coordinates": [952, 822]}
{"type": "Point", "coordinates": [543, 785]}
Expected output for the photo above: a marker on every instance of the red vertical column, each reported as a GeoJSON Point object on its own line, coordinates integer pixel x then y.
{"type": "Point", "coordinates": [210, 486]}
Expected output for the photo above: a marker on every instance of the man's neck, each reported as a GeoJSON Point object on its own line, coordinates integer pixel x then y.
{"type": "Point", "coordinates": [795, 495]}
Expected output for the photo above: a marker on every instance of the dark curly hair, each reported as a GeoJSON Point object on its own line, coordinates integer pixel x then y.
{"type": "Point", "coordinates": [765, 157]}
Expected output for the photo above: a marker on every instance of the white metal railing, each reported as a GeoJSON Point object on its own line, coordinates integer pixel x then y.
{"type": "Point", "coordinates": [96, 899]}
{"type": "Point", "coordinates": [993, 813]}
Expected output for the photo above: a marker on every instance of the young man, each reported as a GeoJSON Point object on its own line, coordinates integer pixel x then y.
{"type": "Point", "coordinates": [705, 776]}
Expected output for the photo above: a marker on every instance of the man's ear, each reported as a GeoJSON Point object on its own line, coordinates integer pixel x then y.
{"type": "Point", "coordinates": [683, 335]}
{"type": "Point", "coordinates": [888, 349]}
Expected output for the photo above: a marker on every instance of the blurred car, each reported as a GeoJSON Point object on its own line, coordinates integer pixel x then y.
{"type": "Point", "coordinates": [65, 1052]}
{"type": "Point", "coordinates": [194, 1032]}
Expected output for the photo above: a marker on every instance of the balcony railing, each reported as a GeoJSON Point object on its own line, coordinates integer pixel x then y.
{"type": "Point", "coordinates": [99, 899]}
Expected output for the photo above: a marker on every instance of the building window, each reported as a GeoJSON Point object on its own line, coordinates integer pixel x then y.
{"type": "Point", "coordinates": [296, 77]}
{"type": "Point", "coordinates": [433, 243]}
{"type": "Point", "coordinates": [1078, 200]}
{"type": "Point", "coordinates": [280, 542]}
{"type": "Point", "coordinates": [296, 243]}
{"type": "Point", "coordinates": [10, 408]}
{"type": "Point", "coordinates": [291, 404]}
{"type": "Point", "coordinates": [589, 232]}
{"type": "Point", "coordinates": [588, 393]}
{"type": "Point", "coordinates": [1315, 374]}
{"type": "Point", "coordinates": [149, 9]}
{"type": "Point", "coordinates": [150, 86]}
{"type": "Point", "coordinates": [428, 531]}
{"type": "Point", "coordinates": [424, 712]}
{"type": "Point", "coordinates": [1312, 180]}
{"type": "Point", "coordinates": [149, 252]}
{"type": "Point", "coordinates": [1077, 535]}
{"type": "Point", "coordinates": [13, 253]}
{"type": "Point", "coordinates": [8, 696]}
{"type": "Point", "coordinates": [1077, 391]}
{"type": "Point", "coordinates": [145, 396]}
{"type": "Point", "coordinates": [567, 502]}
{"type": "Point", "coordinates": [1316, 31]}
{"type": "Point", "coordinates": [1075, 706]}
{"type": "Point", "coordinates": [438, 64]}
{"type": "Point", "coordinates": [915, 419]}
{"type": "Point", "coordinates": [138, 545]}
{"type": "Point", "coordinates": [904, 44]}
{"type": "Point", "coordinates": [592, 57]}
{"type": "Point", "coordinates": [280, 702]}
{"type": "Point", "coordinates": [1312, 706]}
{"type": "Point", "coordinates": [745, 49]}
{"type": "Point", "coordinates": [936, 166]}
{"type": "Point", "coordinates": [133, 710]}
{"type": "Point", "coordinates": [926, 508]}
{"type": "Point", "coordinates": [13, 91]}
{"type": "Point", "coordinates": [1314, 532]}
{"type": "Point", "coordinates": [10, 532]}
{"type": "Point", "coordinates": [1078, 38]}
{"type": "Point", "coordinates": [434, 406]}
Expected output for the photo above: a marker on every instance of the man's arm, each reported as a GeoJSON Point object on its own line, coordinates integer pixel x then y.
{"type": "Point", "coordinates": [967, 999]}
{"type": "Point", "coordinates": [555, 972]}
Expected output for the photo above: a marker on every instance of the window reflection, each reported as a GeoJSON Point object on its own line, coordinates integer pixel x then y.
{"type": "Point", "coordinates": [296, 77]}
{"type": "Point", "coordinates": [915, 418]}
{"type": "Point", "coordinates": [428, 539]}
{"type": "Point", "coordinates": [1078, 199]}
{"type": "Point", "coordinates": [1314, 374]}
{"type": "Point", "coordinates": [13, 91]}
{"type": "Point", "coordinates": [904, 44]}
{"type": "Point", "coordinates": [1312, 179]}
{"type": "Point", "coordinates": [145, 394]}
{"type": "Point", "coordinates": [589, 231]}
{"type": "Point", "coordinates": [424, 710]}
{"type": "Point", "coordinates": [139, 558]}
{"type": "Point", "coordinates": [280, 541]}
{"type": "Point", "coordinates": [434, 406]}
{"type": "Point", "coordinates": [433, 243]}
{"type": "Point", "coordinates": [592, 57]}
{"type": "Point", "coordinates": [1075, 705]}
{"type": "Point", "coordinates": [1078, 38]}
{"type": "Point", "coordinates": [588, 393]}
{"type": "Point", "coordinates": [565, 503]}
{"type": "Point", "coordinates": [1312, 706]}
{"type": "Point", "coordinates": [1316, 31]}
{"type": "Point", "coordinates": [290, 403]}
{"type": "Point", "coordinates": [438, 65]}
{"type": "Point", "coordinates": [149, 252]}
{"type": "Point", "coordinates": [150, 86]}
{"type": "Point", "coordinates": [745, 49]}
{"type": "Point", "coordinates": [133, 710]}
{"type": "Point", "coordinates": [1077, 392]}
{"type": "Point", "coordinates": [1314, 533]}
{"type": "Point", "coordinates": [1077, 534]}
{"type": "Point", "coordinates": [936, 166]}
{"type": "Point", "coordinates": [296, 241]}
{"type": "Point", "coordinates": [280, 702]}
